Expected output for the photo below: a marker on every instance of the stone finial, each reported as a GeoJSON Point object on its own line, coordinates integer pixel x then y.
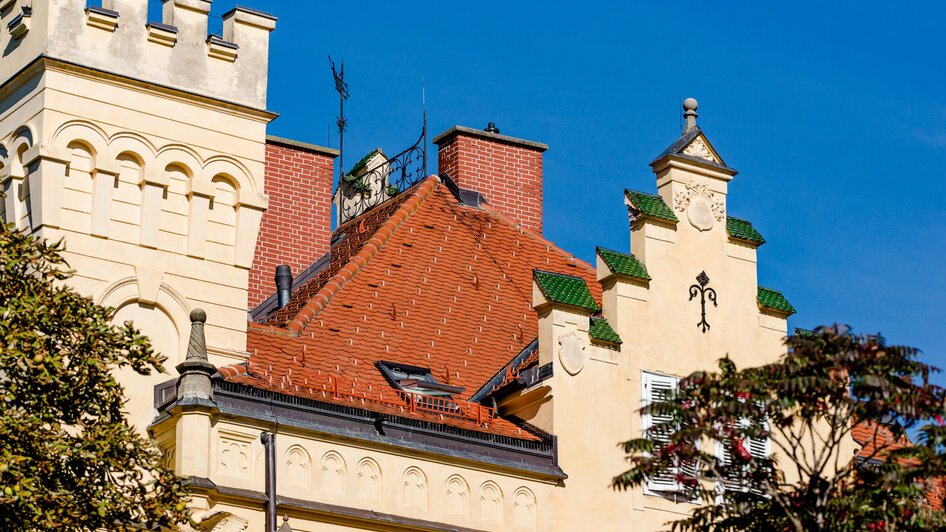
{"type": "Point", "coordinates": [197, 343]}
{"type": "Point", "coordinates": [285, 525]}
{"type": "Point", "coordinates": [196, 370]}
{"type": "Point", "coordinates": [689, 112]}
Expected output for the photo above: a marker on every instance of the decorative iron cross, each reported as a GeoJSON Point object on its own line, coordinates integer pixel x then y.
{"type": "Point", "coordinates": [705, 293]}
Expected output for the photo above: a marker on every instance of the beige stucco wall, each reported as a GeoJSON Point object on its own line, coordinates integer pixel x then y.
{"type": "Point", "coordinates": [158, 198]}
{"type": "Point", "coordinates": [313, 466]}
{"type": "Point", "coordinates": [595, 408]}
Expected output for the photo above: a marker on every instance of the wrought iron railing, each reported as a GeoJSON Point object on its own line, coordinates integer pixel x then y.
{"type": "Point", "coordinates": [381, 179]}
{"type": "Point", "coordinates": [331, 386]}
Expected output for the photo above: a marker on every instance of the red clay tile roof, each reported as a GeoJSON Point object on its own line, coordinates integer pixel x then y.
{"type": "Point", "coordinates": [422, 280]}
{"type": "Point", "coordinates": [876, 440]}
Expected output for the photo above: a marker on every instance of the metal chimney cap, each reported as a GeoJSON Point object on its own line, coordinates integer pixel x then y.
{"type": "Point", "coordinates": [491, 128]}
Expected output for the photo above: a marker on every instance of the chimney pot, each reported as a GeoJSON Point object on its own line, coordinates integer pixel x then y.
{"type": "Point", "coordinates": [283, 285]}
{"type": "Point", "coordinates": [491, 128]}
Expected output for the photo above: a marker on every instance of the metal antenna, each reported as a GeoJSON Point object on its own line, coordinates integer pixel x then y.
{"type": "Point", "coordinates": [423, 97]}
{"type": "Point", "coordinates": [342, 88]}
{"type": "Point", "coordinates": [680, 113]}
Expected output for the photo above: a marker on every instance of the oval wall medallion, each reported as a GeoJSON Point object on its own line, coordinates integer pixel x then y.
{"type": "Point", "coordinates": [700, 213]}
{"type": "Point", "coordinates": [571, 353]}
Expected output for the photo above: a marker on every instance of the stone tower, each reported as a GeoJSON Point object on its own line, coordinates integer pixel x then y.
{"type": "Point", "coordinates": [141, 144]}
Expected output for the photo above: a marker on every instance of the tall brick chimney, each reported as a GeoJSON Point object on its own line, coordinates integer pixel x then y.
{"type": "Point", "coordinates": [506, 170]}
{"type": "Point", "coordinates": [297, 226]}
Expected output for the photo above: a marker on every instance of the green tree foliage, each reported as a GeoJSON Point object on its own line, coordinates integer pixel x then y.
{"type": "Point", "coordinates": [805, 405]}
{"type": "Point", "coordinates": [68, 458]}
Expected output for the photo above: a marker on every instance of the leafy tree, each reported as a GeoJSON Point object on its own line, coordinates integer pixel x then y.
{"type": "Point", "coordinates": [68, 458]}
{"type": "Point", "coordinates": [805, 406]}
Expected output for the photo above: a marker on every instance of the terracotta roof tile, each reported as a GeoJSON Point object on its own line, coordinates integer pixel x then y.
{"type": "Point", "coordinates": [423, 280]}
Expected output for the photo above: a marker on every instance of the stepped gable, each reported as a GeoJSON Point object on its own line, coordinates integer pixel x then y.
{"type": "Point", "coordinates": [425, 281]}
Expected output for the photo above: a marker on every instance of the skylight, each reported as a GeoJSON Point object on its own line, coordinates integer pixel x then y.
{"type": "Point", "coordinates": [416, 379]}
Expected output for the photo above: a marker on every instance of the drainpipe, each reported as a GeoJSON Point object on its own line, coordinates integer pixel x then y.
{"type": "Point", "coordinates": [283, 285]}
{"type": "Point", "coordinates": [269, 444]}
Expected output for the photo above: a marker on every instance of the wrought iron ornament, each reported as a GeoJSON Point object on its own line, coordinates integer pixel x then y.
{"type": "Point", "coordinates": [382, 178]}
{"type": "Point", "coordinates": [342, 88]}
{"type": "Point", "coordinates": [705, 294]}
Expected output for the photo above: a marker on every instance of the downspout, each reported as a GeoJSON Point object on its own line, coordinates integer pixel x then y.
{"type": "Point", "coordinates": [269, 444]}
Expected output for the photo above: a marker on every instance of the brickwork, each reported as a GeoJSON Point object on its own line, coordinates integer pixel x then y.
{"type": "Point", "coordinates": [297, 227]}
{"type": "Point", "coordinates": [507, 173]}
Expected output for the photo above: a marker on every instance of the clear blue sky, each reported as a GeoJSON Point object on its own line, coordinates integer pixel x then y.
{"type": "Point", "coordinates": [834, 114]}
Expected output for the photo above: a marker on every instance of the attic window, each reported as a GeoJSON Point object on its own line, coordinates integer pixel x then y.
{"type": "Point", "coordinates": [416, 379]}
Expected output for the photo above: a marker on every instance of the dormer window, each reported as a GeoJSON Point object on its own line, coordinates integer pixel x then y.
{"type": "Point", "coordinates": [415, 379]}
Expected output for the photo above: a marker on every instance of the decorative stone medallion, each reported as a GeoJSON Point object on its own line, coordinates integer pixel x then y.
{"type": "Point", "coordinates": [697, 148]}
{"type": "Point", "coordinates": [700, 213]}
{"type": "Point", "coordinates": [571, 352]}
{"type": "Point", "coordinates": [701, 205]}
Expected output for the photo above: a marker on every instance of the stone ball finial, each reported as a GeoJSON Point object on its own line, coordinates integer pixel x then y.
{"type": "Point", "coordinates": [198, 315]}
{"type": "Point", "coordinates": [690, 104]}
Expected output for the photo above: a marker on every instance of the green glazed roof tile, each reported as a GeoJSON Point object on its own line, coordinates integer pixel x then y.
{"type": "Point", "coordinates": [805, 333]}
{"type": "Point", "coordinates": [623, 264]}
{"type": "Point", "coordinates": [601, 331]}
{"type": "Point", "coordinates": [743, 230]}
{"type": "Point", "coordinates": [565, 289]}
{"type": "Point", "coordinates": [774, 300]}
{"type": "Point", "coordinates": [651, 206]}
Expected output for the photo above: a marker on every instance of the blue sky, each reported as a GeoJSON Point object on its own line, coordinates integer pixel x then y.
{"type": "Point", "coordinates": [834, 114]}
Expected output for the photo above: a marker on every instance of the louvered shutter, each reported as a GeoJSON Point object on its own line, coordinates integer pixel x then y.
{"type": "Point", "coordinates": [758, 449]}
{"type": "Point", "coordinates": [724, 452]}
{"type": "Point", "coordinates": [658, 388]}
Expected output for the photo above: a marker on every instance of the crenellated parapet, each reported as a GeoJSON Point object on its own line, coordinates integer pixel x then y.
{"type": "Point", "coordinates": [118, 38]}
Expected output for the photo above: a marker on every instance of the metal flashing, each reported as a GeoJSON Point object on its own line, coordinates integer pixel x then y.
{"type": "Point", "coordinates": [535, 457]}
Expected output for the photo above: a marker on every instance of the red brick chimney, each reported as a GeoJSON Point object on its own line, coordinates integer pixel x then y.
{"type": "Point", "coordinates": [297, 227]}
{"type": "Point", "coordinates": [506, 170]}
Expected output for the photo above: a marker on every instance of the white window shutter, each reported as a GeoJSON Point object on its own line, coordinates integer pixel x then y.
{"type": "Point", "coordinates": [724, 453]}
{"type": "Point", "coordinates": [658, 388]}
{"type": "Point", "coordinates": [758, 448]}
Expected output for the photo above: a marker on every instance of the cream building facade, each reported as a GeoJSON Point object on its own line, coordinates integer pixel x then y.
{"type": "Point", "coordinates": [141, 145]}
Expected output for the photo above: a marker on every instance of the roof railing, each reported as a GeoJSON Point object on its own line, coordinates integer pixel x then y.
{"type": "Point", "coordinates": [339, 387]}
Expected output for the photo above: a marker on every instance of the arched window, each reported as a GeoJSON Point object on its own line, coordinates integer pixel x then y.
{"type": "Point", "coordinates": [77, 186]}
{"type": "Point", "coordinates": [368, 480]}
{"type": "Point", "coordinates": [298, 468]}
{"type": "Point", "coordinates": [524, 509]}
{"type": "Point", "coordinates": [414, 487]}
{"type": "Point", "coordinates": [126, 198]}
{"type": "Point", "coordinates": [490, 503]}
{"type": "Point", "coordinates": [221, 220]}
{"type": "Point", "coordinates": [174, 208]}
{"type": "Point", "coordinates": [457, 497]}
{"type": "Point", "coordinates": [154, 321]}
{"type": "Point", "coordinates": [333, 474]}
